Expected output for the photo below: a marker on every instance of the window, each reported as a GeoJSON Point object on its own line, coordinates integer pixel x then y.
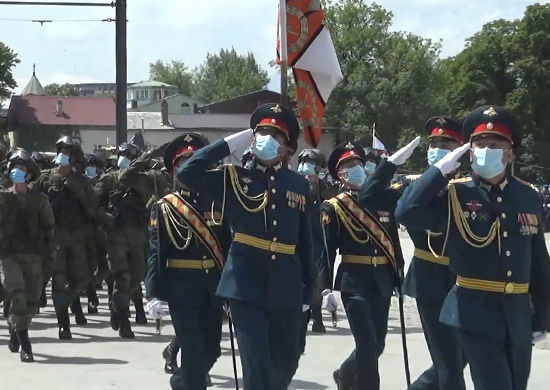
{"type": "Point", "coordinates": [146, 94]}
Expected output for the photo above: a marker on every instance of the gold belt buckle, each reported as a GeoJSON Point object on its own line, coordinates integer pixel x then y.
{"type": "Point", "coordinates": [273, 246]}
{"type": "Point", "coordinates": [374, 261]}
{"type": "Point", "coordinates": [509, 288]}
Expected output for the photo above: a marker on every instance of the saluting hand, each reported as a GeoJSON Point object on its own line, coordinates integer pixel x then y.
{"type": "Point", "coordinates": [450, 163]}
{"type": "Point", "coordinates": [402, 155]}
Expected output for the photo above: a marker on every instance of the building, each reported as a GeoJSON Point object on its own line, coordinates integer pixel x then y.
{"type": "Point", "coordinates": [98, 89]}
{"type": "Point", "coordinates": [148, 92]}
{"type": "Point", "coordinates": [244, 104]}
{"type": "Point", "coordinates": [177, 104]}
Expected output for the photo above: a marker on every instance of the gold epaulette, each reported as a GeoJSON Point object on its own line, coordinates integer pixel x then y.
{"type": "Point", "coordinates": [526, 183]}
{"type": "Point", "coordinates": [460, 180]}
{"type": "Point", "coordinates": [396, 186]}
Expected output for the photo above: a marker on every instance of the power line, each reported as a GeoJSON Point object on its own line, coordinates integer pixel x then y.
{"type": "Point", "coordinates": [42, 21]}
{"type": "Point", "coordinates": [59, 3]}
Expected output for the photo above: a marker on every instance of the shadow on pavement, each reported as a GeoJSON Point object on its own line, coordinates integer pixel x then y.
{"type": "Point", "coordinates": [225, 382]}
{"type": "Point", "coordinates": [78, 360]}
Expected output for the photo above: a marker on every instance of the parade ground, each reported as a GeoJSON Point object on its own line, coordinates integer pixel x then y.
{"type": "Point", "coordinates": [97, 359]}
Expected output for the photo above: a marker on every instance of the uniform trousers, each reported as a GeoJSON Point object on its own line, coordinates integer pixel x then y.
{"type": "Point", "coordinates": [22, 277]}
{"type": "Point", "coordinates": [268, 344]}
{"type": "Point", "coordinates": [70, 273]}
{"type": "Point", "coordinates": [199, 333]}
{"type": "Point", "coordinates": [497, 365]}
{"type": "Point", "coordinates": [368, 321]}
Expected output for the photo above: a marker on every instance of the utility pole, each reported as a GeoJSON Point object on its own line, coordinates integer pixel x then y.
{"type": "Point", "coordinates": [121, 54]}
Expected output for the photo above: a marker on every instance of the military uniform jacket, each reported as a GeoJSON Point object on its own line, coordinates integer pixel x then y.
{"type": "Point", "coordinates": [496, 248]}
{"type": "Point", "coordinates": [365, 269]}
{"type": "Point", "coordinates": [428, 277]}
{"type": "Point", "coordinates": [270, 260]}
{"type": "Point", "coordinates": [180, 273]}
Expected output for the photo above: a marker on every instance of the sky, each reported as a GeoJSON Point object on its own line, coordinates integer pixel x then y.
{"type": "Point", "coordinates": [81, 50]}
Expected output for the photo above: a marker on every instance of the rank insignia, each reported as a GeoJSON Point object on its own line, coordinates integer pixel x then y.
{"type": "Point", "coordinates": [384, 216]}
{"type": "Point", "coordinates": [474, 205]}
{"type": "Point", "coordinates": [529, 224]}
{"type": "Point", "coordinates": [325, 219]}
{"type": "Point", "coordinates": [246, 179]}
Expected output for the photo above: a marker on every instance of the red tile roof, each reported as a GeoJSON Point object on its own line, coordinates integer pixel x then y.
{"type": "Point", "coordinates": [77, 111]}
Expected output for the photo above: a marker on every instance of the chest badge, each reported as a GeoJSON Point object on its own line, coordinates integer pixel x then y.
{"type": "Point", "coordinates": [529, 224]}
{"type": "Point", "coordinates": [245, 188]}
{"type": "Point", "coordinates": [474, 206]}
{"type": "Point", "coordinates": [246, 180]}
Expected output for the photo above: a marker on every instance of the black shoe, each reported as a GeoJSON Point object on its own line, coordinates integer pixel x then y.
{"type": "Point", "coordinates": [340, 384]}
{"type": "Point", "coordinates": [318, 327]}
{"type": "Point", "coordinates": [13, 344]}
{"type": "Point", "coordinates": [208, 381]}
{"type": "Point", "coordinates": [62, 314]}
{"type": "Point", "coordinates": [141, 318]}
{"type": "Point", "coordinates": [43, 298]}
{"type": "Point", "coordinates": [76, 309]}
{"type": "Point", "coordinates": [114, 320]}
{"type": "Point", "coordinates": [25, 355]}
{"type": "Point", "coordinates": [125, 330]}
{"type": "Point", "coordinates": [170, 359]}
{"type": "Point", "coordinates": [93, 300]}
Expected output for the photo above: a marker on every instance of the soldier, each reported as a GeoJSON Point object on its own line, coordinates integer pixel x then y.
{"type": "Point", "coordinates": [188, 249]}
{"type": "Point", "coordinates": [360, 223]}
{"type": "Point", "coordinates": [124, 194]}
{"type": "Point", "coordinates": [493, 232]}
{"type": "Point", "coordinates": [444, 135]}
{"type": "Point", "coordinates": [310, 164]}
{"type": "Point", "coordinates": [74, 203]}
{"type": "Point", "coordinates": [268, 277]}
{"type": "Point", "coordinates": [96, 248]}
{"type": "Point", "coordinates": [42, 161]}
{"type": "Point", "coordinates": [27, 248]}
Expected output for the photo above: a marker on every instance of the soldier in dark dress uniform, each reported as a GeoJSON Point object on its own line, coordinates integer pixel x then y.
{"type": "Point", "coordinates": [429, 279]}
{"type": "Point", "coordinates": [359, 222]}
{"type": "Point", "coordinates": [188, 249]}
{"type": "Point", "coordinates": [493, 231]}
{"type": "Point", "coordinates": [268, 277]}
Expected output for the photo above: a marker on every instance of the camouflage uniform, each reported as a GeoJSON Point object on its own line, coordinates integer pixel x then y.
{"type": "Point", "coordinates": [74, 203]}
{"type": "Point", "coordinates": [27, 248]}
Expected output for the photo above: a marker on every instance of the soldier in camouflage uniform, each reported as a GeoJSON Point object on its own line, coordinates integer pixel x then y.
{"type": "Point", "coordinates": [27, 248]}
{"type": "Point", "coordinates": [124, 194]}
{"type": "Point", "coordinates": [74, 203]}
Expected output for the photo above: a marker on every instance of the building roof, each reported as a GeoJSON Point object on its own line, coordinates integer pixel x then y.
{"type": "Point", "coordinates": [147, 121]}
{"type": "Point", "coordinates": [152, 84]}
{"type": "Point", "coordinates": [211, 121]}
{"type": "Point", "coordinates": [33, 87]}
{"type": "Point", "coordinates": [243, 104]}
{"type": "Point", "coordinates": [77, 111]}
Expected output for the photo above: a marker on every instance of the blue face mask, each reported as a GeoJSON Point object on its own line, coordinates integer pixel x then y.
{"type": "Point", "coordinates": [356, 175]}
{"type": "Point", "coordinates": [123, 162]}
{"type": "Point", "coordinates": [91, 171]}
{"type": "Point", "coordinates": [487, 163]}
{"type": "Point", "coordinates": [436, 154]}
{"type": "Point", "coordinates": [370, 167]}
{"type": "Point", "coordinates": [17, 176]}
{"type": "Point", "coordinates": [62, 160]}
{"type": "Point", "coordinates": [265, 147]}
{"type": "Point", "coordinates": [306, 169]}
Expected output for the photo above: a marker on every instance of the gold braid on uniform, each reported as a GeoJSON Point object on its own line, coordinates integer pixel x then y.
{"type": "Point", "coordinates": [465, 230]}
{"type": "Point", "coordinates": [240, 194]}
{"type": "Point", "coordinates": [174, 222]}
{"type": "Point", "coordinates": [218, 223]}
{"type": "Point", "coordinates": [349, 223]}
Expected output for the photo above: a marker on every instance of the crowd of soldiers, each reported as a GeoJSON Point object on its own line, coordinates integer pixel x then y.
{"type": "Point", "coordinates": [256, 245]}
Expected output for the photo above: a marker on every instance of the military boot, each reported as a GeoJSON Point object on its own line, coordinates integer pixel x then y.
{"type": "Point", "coordinates": [340, 383]}
{"type": "Point", "coordinates": [208, 380]}
{"type": "Point", "coordinates": [26, 348]}
{"type": "Point", "coordinates": [64, 323]}
{"type": "Point", "coordinates": [125, 330]}
{"type": "Point", "coordinates": [317, 317]}
{"type": "Point", "coordinates": [114, 319]}
{"type": "Point", "coordinates": [13, 344]}
{"type": "Point", "coordinates": [7, 306]}
{"type": "Point", "coordinates": [170, 355]}
{"type": "Point", "coordinates": [93, 300]}
{"type": "Point", "coordinates": [141, 318]}
{"type": "Point", "coordinates": [76, 309]}
{"type": "Point", "coordinates": [43, 298]}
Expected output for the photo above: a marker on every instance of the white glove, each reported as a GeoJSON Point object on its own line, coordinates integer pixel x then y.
{"type": "Point", "coordinates": [242, 138]}
{"type": "Point", "coordinates": [450, 162]}
{"type": "Point", "coordinates": [154, 307]}
{"type": "Point", "coordinates": [538, 337]}
{"type": "Point", "coordinates": [305, 308]}
{"type": "Point", "coordinates": [402, 155]}
{"type": "Point", "coordinates": [329, 302]}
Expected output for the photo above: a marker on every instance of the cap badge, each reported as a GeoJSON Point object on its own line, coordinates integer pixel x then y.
{"type": "Point", "coordinates": [188, 138]}
{"type": "Point", "coordinates": [276, 109]}
{"type": "Point", "coordinates": [440, 131]}
{"type": "Point", "coordinates": [491, 112]}
{"type": "Point", "coordinates": [273, 121]}
{"type": "Point", "coordinates": [490, 126]}
{"type": "Point", "coordinates": [441, 121]}
{"type": "Point", "coordinates": [349, 146]}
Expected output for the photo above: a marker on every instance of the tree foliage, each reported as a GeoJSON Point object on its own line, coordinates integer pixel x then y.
{"type": "Point", "coordinates": [61, 90]}
{"type": "Point", "coordinates": [8, 59]}
{"type": "Point", "coordinates": [174, 73]}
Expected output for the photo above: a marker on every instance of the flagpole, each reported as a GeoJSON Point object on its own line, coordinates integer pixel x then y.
{"type": "Point", "coordinates": [283, 51]}
{"type": "Point", "coordinates": [374, 135]}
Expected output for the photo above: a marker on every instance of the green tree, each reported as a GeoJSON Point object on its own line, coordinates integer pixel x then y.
{"type": "Point", "coordinates": [8, 59]}
{"type": "Point", "coordinates": [174, 73]}
{"type": "Point", "coordinates": [227, 74]}
{"type": "Point", "coordinates": [61, 90]}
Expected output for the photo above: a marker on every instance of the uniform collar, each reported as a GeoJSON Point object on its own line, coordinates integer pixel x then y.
{"type": "Point", "coordinates": [264, 168]}
{"type": "Point", "coordinates": [487, 187]}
